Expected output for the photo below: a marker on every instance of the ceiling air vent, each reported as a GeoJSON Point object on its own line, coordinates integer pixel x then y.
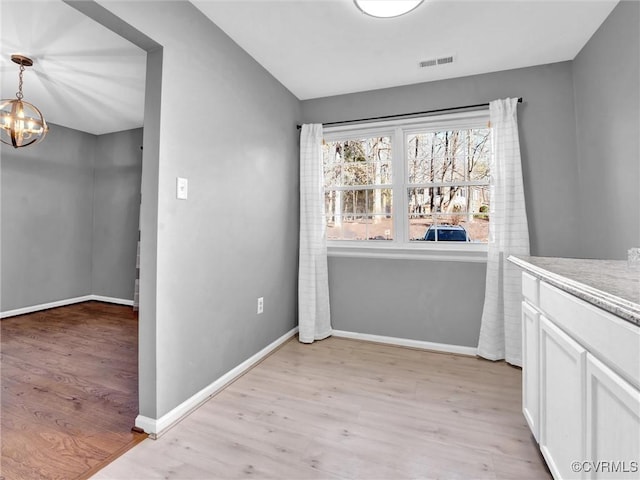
{"type": "Point", "coordinates": [432, 62]}
{"type": "Point", "coordinates": [429, 63]}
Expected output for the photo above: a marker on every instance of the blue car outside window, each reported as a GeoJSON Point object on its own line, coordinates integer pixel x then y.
{"type": "Point", "coordinates": [446, 235]}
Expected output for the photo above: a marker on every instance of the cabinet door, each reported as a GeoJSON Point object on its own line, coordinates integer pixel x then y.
{"type": "Point", "coordinates": [562, 399]}
{"type": "Point", "coordinates": [613, 423]}
{"type": "Point", "coordinates": [530, 367]}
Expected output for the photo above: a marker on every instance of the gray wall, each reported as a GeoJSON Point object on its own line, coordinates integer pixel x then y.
{"type": "Point", "coordinates": [116, 209]}
{"type": "Point", "coordinates": [46, 216]}
{"type": "Point", "coordinates": [70, 217]}
{"type": "Point", "coordinates": [445, 301]}
{"type": "Point", "coordinates": [435, 301]}
{"type": "Point", "coordinates": [236, 237]}
{"type": "Point", "coordinates": [607, 123]}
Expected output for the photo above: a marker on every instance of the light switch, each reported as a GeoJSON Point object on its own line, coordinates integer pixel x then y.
{"type": "Point", "coordinates": [182, 188]}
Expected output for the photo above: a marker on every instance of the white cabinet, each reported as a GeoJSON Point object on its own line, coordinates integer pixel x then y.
{"type": "Point", "coordinates": [562, 368]}
{"type": "Point", "coordinates": [581, 384]}
{"type": "Point", "coordinates": [530, 356]}
{"type": "Point", "coordinates": [612, 403]}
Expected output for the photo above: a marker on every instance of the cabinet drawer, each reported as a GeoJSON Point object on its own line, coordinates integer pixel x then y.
{"type": "Point", "coordinates": [614, 341]}
{"type": "Point", "coordinates": [531, 288]}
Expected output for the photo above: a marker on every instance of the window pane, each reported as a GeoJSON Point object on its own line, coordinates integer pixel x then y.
{"type": "Point", "coordinates": [449, 228]}
{"type": "Point", "coordinates": [356, 174]}
{"type": "Point", "coordinates": [379, 227]}
{"type": "Point", "coordinates": [332, 175]}
{"type": "Point", "coordinates": [382, 173]}
{"type": "Point", "coordinates": [477, 227]}
{"type": "Point", "coordinates": [375, 227]}
{"type": "Point", "coordinates": [379, 201]}
{"type": "Point", "coordinates": [354, 203]}
{"type": "Point", "coordinates": [358, 213]}
{"type": "Point", "coordinates": [423, 200]}
{"type": "Point", "coordinates": [440, 228]}
{"type": "Point", "coordinates": [334, 231]}
{"type": "Point", "coordinates": [453, 199]}
{"type": "Point", "coordinates": [460, 199]}
{"type": "Point", "coordinates": [418, 226]}
{"type": "Point", "coordinates": [459, 205]}
{"type": "Point", "coordinates": [331, 206]}
{"type": "Point", "coordinates": [371, 219]}
{"type": "Point", "coordinates": [457, 212]}
{"type": "Point", "coordinates": [454, 153]}
{"type": "Point", "coordinates": [479, 153]}
{"type": "Point", "coordinates": [437, 156]}
{"type": "Point", "coordinates": [479, 199]}
{"type": "Point", "coordinates": [448, 156]}
{"type": "Point", "coordinates": [424, 158]}
{"type": "Point", "coordinates": [340, 229]}
{"type": "Point", "coordinates": [363, 161]}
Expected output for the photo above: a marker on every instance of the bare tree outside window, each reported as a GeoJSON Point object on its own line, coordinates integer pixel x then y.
{"type": "Point", "coordinates": [358, 196]}
{"type": "Point", "coordinates": [448, 181]}
{"type": "Point", "coordinates": [443, 194]}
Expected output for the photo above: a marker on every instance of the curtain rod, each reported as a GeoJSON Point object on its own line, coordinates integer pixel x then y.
{"type": "Point", "coordinates": [402, 115]}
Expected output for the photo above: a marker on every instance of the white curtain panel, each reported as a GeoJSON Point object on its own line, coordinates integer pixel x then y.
{"type": "Point", "coordinates": [500, 331]}
{"type": "Point", "coordinates": [314, 320]}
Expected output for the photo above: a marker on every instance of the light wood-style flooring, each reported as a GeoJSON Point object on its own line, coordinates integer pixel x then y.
{"type": "Point", "coordinates": [69, 380]}
{"type": "Point", "coordinates": [339, 409]}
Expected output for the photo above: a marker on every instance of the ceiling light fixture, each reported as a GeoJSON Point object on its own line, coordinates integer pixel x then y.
{"type": "Point", "coordinates": [386, 8]}
{"type": "Point", "coordinates": [21, 123]}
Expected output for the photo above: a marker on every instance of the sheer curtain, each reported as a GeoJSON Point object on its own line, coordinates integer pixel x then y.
{"type": "Point", "coordinates": [500, 330]}
{"type": "Point", "coordinates": [313, 281]}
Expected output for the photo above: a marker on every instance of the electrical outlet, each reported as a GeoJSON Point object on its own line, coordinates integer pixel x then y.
{"type": "Point", "coordinates": [260, 305]}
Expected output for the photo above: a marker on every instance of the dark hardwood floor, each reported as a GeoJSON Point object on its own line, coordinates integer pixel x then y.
{"type": "Point", "coordinates": [69, 380]}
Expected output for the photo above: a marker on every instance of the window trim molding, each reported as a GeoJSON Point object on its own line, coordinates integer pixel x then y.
{"type": "Point", "coordinates": [458, 119]}
{"type": "Point", "coordinates": [472, 253]}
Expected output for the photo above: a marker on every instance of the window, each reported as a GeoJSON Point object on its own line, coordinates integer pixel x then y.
{"type": "Point", "coordinates": [448, 184]}
{"type": "Point", "coordinates": [358, 189]}
{"type": "Point", "coordinates": [409, 184]}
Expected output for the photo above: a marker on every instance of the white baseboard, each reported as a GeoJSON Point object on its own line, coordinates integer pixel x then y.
{"type": "Point", "coordinates": [62, 303]}
{"type": "Point", "coordinates": [405, 342]}
{"type": "Point", "coordinates": [45, 306]}
{"type": "Point", "coordinates": [118, 301]}
{"type": "Point", "coordinates": [156, 427]}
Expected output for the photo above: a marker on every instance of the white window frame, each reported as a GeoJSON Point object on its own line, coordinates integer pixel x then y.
{"type": "Point", "coordinates": [400, 247]}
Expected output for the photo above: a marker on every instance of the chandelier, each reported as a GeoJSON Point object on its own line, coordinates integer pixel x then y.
{"type": "Point", "coordinates": [386, 8]}
{"type": "Point", "coordinates": [21, 123]}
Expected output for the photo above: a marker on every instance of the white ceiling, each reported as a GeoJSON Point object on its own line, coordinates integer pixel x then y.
{"type": "Point", "coordinates": [87, 78]}
{"type": "Point", "coordinates": [318, 48]}
{"type": "Point", "coordinates": [84, 76]}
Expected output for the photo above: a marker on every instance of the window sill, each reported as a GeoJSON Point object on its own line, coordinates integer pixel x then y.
{"type": "Point", "coordinates": [451, 252]}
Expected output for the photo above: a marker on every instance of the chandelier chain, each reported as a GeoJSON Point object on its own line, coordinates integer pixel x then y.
{"type": "Point", "coordinates": [19, 92]}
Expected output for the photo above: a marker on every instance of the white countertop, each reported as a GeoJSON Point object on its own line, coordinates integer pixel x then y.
{"type": "Point", "coordinates": [611, 285]}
